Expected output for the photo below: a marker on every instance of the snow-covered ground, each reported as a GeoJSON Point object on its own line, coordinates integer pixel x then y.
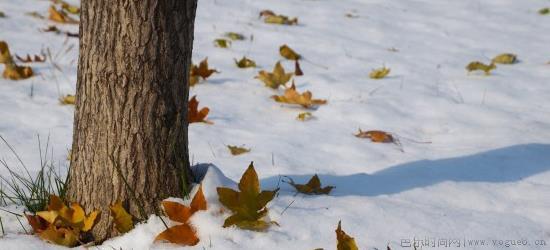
{"type": "Point", "coordinates": [484, 176]}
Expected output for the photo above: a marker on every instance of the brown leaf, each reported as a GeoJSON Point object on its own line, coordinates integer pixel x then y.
{"type": "Point", "coordinates": [37, 223]}
{"type": "Point", "coordinates": [345, 242]}
{"type": "Point", "coordinates": [376, 136]}
{"type": "Point", "coordinates": [291, 96]}
{"type": "Point", "coordinates": [193, 113]}
{"type": "Point", "coordinates": [202, 70]}
{"type": "Point", "coordinates": [289, 53]}
{"type": "Point", "coordinates": [15, 72]}
{"type": "Point", "coordinates": [235, 150]}
{"type": "Point", "coordinates": [29, 59]}
{"type": "Point", "coordinates": [312, 187]}
{"type": "Point", "coordinates": [182, 234]}
{"type": "Point", "coordinates": [297, 69]}
{"type": "Point", "coordinates": [275, 79]}
{"type": "Point", "coordinates": [245, 63]}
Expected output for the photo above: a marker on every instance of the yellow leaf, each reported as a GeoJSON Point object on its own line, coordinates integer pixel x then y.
{"type": "Point", "coordinates": [70, 8]}
{"type": "Point", "coordinates": [60, 16]}
{"type": "Point", "coordinates": [505, 58]}
{"type": "Point", "coordinates": [67, 100]}
{"type": "Point", "coordinates": [60, 236]}
{"type": "Point", "coordinates": [89, 222]}
{"type": "Point", "coordinates": [123, 220]}
{"type": "Point", "coordinates": [222, 43]}
{"type": "Point", "coordinates": [312, 187]}
{"type": "Point", "coordinates": [37, 223]}
{"type": "Point", "coordinates": [379, 73]}
{"type": "Point", "coordinates": [345, 242]}
{"type": "Point", "coordinates": [49, 216]}
{"type": "Point", "coordinates": [196, 115]}
{"type": "Point", "coordinates": [476, 65]}
{"type": "Point", "coordinates": [291, 96]}
{"type": "Point", "coordinates": [245, 63]}
{"type": "Point", "coordinates": [15, 72]}
{"type": "Point", "coordinates": [289, 53]}
{"type": "Point", "coordinates": [280, 19]}
{"type": "Point", "coordinates": [247, 204]}
{"type": "Point", "coordinates": [235, 150]}
{"type": "Point", "coordinates": [304, 116]}
{"type": "Point", "coordinates": [376, 136]}
{"type": "Point", "coordinates": [5, 56]}
{"type": "Point", "coordinates": [275, 79]}
{"type": "Point", "coordinates": [234, 36]}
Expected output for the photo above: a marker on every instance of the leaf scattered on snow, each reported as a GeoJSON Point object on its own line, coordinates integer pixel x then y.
{"type": "Point", "coordinates": [476, 65]}
{"type": "Point", "coordinates": [506, 58]}
{"type": "Point", "coordinates": [376, 136]}
{"type": "Point", "coordinates": [297, 69]}
{"type": "Point", "coordinates": [68, 100]}
{"type": "Point", "coordinates": [60, 16]}
{"type": "Point", "coordinates": [544, 11]}
{"type": "Point", "coordinates": [196, 115]}
{"type": "Point", "coordinates": [235, 36]}
{"type": "Point", "coordinates": [248, 204]}
{"type": "Point", "coordinates": [345, 242]}
{"type": "Point", "coordinates": [29, 59]}
{"type": "Point", "coordinates": [236, 150]}
{"type": "Point", "coordinates": [245, 63]}
{"type": "Point", "coordinates": [222, 43]}
{"type": "Point", "coordinates": [291, 96]}
{"type": "Point", "coordinates": [201, 71]}
{"type": "Point", "coordinates": [12, 71]}
{"type": "Point", "coordinates": [304, 116]}
{"type": "Point", "coordinates": [312, 187]}
{"type": "Point", "coordinates": [272, 18]}
{"type": "Point", "coordinates": [379, 73]}
{"type": "Point", "coordinates": [275, 79]}
{"type": "Point", "coordinates": [289, 53]}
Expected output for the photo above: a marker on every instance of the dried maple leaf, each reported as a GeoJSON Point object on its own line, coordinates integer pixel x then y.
{"type": "Point", "coordinates": [345, 242]}
{"type": "Point", "coordinates": [291, 96]}
{"type": "Point", "coordinates": [280, 19]}
{"type": "Point", "coordinates": [247, 204]}
{"type": "Point", "coordinates": [379, 73]}
{"type": "Point", "coordinates": [183, 234]}
{"type": "Point", "coordinates": [29, 59]}
{"type": "Point", "coordinates": [123, 220]}
{"type": "Point", "coordinates": [297, 70]}
{"type": "Point", "coordinates": [476, 65]}
{"type": "Point", "coordinates": [37, 223]}
{"type": "Point", "coordinates": [288, 53]}
{"type": "Point", "coordinates": [222, 43]}
{"type": "Point", "coordinates": [202, 70]}
{"type": "Point", "coordinates": [236, 150]}
{"type": "Point", "coordinates": [234, 36]}
{"type": "Point", "coordinates": [376, 136]}
{"type": "Point", "coordinates": [67, 100]}
{"type": "Point", "coordinates": [275, 79]}
{"type": "Point", "coordinates": [60, 16]}
{"type": "Point", "coordinates": [196, 115]}
{"type": "Point", "coordinates": [245, 63]}
{"type": "Point", "coordinates": [60, 236]}
{"type": "Point", "coordinates": [313, 186]}
{"type": "Point", "coordinates": [505, 58]}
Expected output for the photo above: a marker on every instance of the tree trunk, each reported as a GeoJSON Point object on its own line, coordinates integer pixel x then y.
{"type": "Point", "coordinates": [130, 125]}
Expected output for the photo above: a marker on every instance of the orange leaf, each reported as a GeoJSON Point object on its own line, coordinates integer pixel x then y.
{"type": "Point", "coordinates": [291, 96]}
{"type": "Point", "coordinates": [376, 136]}
{"type": "Point", "coordinates": [202, 70]}
{"type": "Point", "coordinates": [345, 242]}
{"type": "Point", "coordinates": [37, 223]}
{"type": "Point", "coordinates": [60, 16]}
{"type": "Point", "coordinates": [176, 211]}
{"type": "Point", "coordinates": [199, 201]}
{"type": "Point", "coordinates": [196, 115]}
{"type": "Point", "coordinates": [182, 234]}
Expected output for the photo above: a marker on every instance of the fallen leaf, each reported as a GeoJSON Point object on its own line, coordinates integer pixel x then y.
{"type": "Point", "coordinates": [37, 223]}
{"type": "Point", "coordinates": [70, 8]}
{"type": "Point", "coordinates": [222, 43]}
{"type": "Point", "coordinates": [281, 19]}
{"type": "Point", "coordinates": [234, 36]}
{"type": "Point", "coordinates": [5, 56]}
{"type": "Point", "coordinates": [183, 234]}
{"type": "Point", "coordinates": [376, 136]}
{"type": "Point", "coordinates": [265, 13]}
{"type": "Point", "coordinates": [304, 116]}
{"type": "Point", "coordinates": [247, 204]}
{"type": "Point", "coordinates": [2, 15]}
{"type": "Point", "coordinates": [60, 16]}
{"type": "Point", "coordinates": [196, 115]}
{"type": "Point", "coordinates": [51, 28]}
{"type": "Point", "coordinates": [297, 70]}
{"type": "Point", "coordinates": [15, 72]}
{"type": "Point", "coordinates": [60, 236]}
{"type": "Point", "coordinates": [123, 220]}
{"type": "Point", "coordinates": [505, 58]}
{"type": "Point", "coordinates": [476, 65]}
{"type": "Point", "coordinates": [345, 242]}
{"type": "Point", "coordinates": [67, 100]}
{"type": "Point", "coordinates": [289, 53]}
{"type": "Point", "coordinates": [275, 79]}
{"type": "Point", "coordinates": [202, 70]}
{"type": "Point", "coordinates": [291, 96]}
{"type": "Point", "coordinates": [35, 15]}
{"type": "Point", "coordinates": [379, 73]}
{"type": "Point", "coordinates": [313, 186]}
{"type": "Point", "coordinates": [235, 150]}
{"type": "Point", "coordinates": [29, 59]}
{"type": "Point", "coordinates": [245, 63]}
{"type": "Point", "coordinates": [544, 11]}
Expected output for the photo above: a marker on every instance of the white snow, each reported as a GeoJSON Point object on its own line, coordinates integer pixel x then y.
{"type": "Point", "coordinates": [483, 176]}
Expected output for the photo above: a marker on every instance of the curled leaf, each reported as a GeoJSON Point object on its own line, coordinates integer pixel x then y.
{"type": "Point", "coordinates": [222, 43]}
{"type": "Point", "coordinates": [376, 136]}
{"type": "Point", "coordinates": [289, 53]}
{"type": "Point", "coordinates": [291, 96]}
{"type": "Point", "coordinates": [29, 59]}
{"type": "Point", "coordinates": [234, 36]}
{"type": "Point", "coordinates": [281, 19]}
{"type": "Point", "coordinates": [123, 220]}
{"type": "Point", "coordinates": [313, 186]}
{"type": "Point", "coordinates": [505, 58]}
{"type": "Point", "coordinates": [60, 16]}
{"type": "Point", "coordinates": [297, 70]}
{"type": "Point", "coordinates": [15, 72]}
{"type": "Point", "coordinates": [379, 73]}
{"type": "Point", "coordinates": [235, 150]}
{"type": "Point", "coordinates": [245, 63]}
{"type": "Point", "coordinates": [304, 116]}
{"type": "Point", "coordinates": [67, 100]}
{"type": "Point", "coordinates": [196, 115]}
{"type": "Point", "coordinates": [37, 223]}
{"type": "Point", "coordinates": [275, 79]}
{"type": "Point", "coordinates": [345, 242]}
{"type": "Point", "coordinates": [476, 65]}
{"type": "Point", "coordinates": [60, 236]}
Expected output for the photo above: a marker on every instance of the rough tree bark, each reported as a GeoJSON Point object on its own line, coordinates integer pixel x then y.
{"type": "Point", "coordinates": [131, 108]}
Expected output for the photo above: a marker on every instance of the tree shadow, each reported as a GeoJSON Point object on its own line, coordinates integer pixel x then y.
{"type": "Point", "coordinates": [507, 164]}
